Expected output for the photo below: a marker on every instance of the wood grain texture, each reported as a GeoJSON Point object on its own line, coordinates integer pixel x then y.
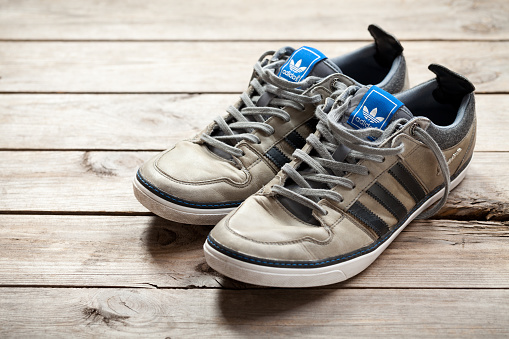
{"type": "Point", "coordinates": [205, 67]}
{"type": "Point", "coordinates": [144, 251]}
{"type": "Point", "coordinates": [154, 122]}
{"type": "Point", "coordinates": [80, 257]}
{"type": "Point", "coordinates": [101, 182]}
{"type": "Point", "coordinates": [265, 20]}
{"type": "Point", "coordinates": [342, 313]}
{"type": "Point", "coordinates": [115, 122]}
{"type": "Point", "coordinates": [481, 196]}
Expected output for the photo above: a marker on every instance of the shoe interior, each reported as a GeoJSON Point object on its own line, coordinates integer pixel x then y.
{"type": "Point", "coordinates": [366, 65]}
{"type": "Point", "coordinates": [372, 63]}
{"type": "Point", "coordinates": [428, 101]}
{"type": "Point", "coordinates": [439, 99]}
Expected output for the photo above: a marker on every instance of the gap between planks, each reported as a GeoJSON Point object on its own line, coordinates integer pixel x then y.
{"type": "Point", "coordinates": [170, 93]}
{"type": "Point", "coordinates": [149, 286]}
{"type": "Point", "coordinates": [244, 40]}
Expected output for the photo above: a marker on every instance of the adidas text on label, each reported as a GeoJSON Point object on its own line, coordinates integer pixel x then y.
{"type": "Point", "coordinates": [377, 109]}
{"type": "Point", "coordinates": [300, 63]}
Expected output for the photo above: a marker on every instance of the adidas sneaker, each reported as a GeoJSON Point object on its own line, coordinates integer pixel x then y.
{"type": "Point", "coordinates": [200, 180]}
{"type": "Point", "coordinates": [376, 162]}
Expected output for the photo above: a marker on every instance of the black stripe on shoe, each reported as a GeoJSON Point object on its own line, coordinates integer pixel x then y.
{"type": "Point", "coordinates": [277, 157]}
{"type": "Point", "coordinates": [295, 140]}
{"type": "Point", "coordinates": [387, 200]}
{"type": "Point", "coordinates": [407, 180]}
{"type": "Point", "coordinates": [369, 218]}
{"type": "Point", "coordinates": [311, 123]}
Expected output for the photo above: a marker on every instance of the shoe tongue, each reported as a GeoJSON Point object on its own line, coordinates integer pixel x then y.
{"type": "Point", "coordinates": [304, 62]}
{"type": "Point", "coordinates": [373, 107]}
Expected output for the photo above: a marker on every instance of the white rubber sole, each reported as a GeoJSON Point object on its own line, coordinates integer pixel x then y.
{"type": "Point", "coordinates": [307, 277]}
{"type": "Point", "coordinates": [168, 210]}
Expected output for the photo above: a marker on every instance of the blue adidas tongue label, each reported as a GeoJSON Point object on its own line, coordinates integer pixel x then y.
{"type": "Point", "coordinates": [300, 63]}
{"type": "Point", "coordinates": [375, 109]}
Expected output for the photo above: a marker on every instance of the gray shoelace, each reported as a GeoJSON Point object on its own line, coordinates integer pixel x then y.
{"type": "Point", "coordinates": [286, 93]}
{"type": "Point", "coordinates": [328, 172]}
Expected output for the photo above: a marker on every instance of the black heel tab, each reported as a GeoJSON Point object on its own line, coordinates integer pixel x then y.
{"type": "Point", "coordinates": [452, 87]}
{"type": "Point", "coordinates": [387, 46]}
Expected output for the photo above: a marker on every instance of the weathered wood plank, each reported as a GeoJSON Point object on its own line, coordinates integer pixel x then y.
{"type": "Point", "coordinates": [144, 251]}
{"type": "Point", "coordinates": [481, 196]}
{"type": "Point", "coordinates": [198, 67]}
{"type": "Point", "coordinates": [115, 122]}
{"type": "Point", "coordinates": [101, 182]}
{"type": "Point", "coordinates": [342, 313]}
{"type": "Point", "coordinates": [152, 122]}
{"type": "Point", "coordinates": [266, 20]}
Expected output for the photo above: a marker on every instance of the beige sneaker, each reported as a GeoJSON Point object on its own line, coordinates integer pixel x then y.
{"type": "Point", "coordinates": [200, 180]}
{"type": "Point", "coordinates": [376, 162]}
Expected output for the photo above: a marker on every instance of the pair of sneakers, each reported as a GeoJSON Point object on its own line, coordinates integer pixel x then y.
{"type": "Point", "coordinates": [320, 164]}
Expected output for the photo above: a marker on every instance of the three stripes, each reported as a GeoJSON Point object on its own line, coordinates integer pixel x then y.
{"type": "Point", "coordinates": [377, 191]}
{"type": "Point", "coordinates": [386, 199]}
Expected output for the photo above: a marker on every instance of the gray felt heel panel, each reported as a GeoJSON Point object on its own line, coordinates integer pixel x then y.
{"type": "Point", "coordinates": [397, 78]}
{"type": "Point", "coordinates": [451, 135]}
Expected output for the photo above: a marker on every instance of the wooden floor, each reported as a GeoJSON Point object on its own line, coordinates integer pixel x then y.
{"type": "Point", "coordinates": [89, 90]}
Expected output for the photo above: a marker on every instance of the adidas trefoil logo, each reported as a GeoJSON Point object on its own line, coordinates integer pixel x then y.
{"type": "Point", "coordinates": [371, 116]}
{"type": "Point", "coordinates": [295, 67]}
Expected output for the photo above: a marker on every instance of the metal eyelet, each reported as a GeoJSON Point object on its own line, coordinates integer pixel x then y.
{"type": "Point", "coordinates": [412, 129]}
{"type": "Point", "coordinates": [333, 84]}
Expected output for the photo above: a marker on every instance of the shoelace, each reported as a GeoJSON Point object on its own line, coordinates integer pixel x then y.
{"type": "Point", "coordinates": [285, 93]}
{"type": "Point", "coordinates": [324, 169]}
